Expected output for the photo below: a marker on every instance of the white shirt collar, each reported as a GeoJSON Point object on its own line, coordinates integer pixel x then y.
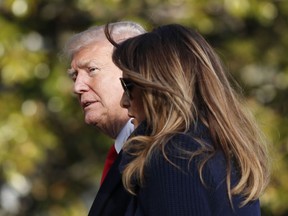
{"type": "Point", "coordinates": [123, 135]}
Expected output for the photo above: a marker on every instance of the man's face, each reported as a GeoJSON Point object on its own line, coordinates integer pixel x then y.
{"type": "Point", "coordinates": [96, 82]}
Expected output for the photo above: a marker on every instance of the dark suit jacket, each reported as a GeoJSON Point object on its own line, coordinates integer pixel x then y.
{"type": "Point", "coordinates": [112, 198]}
{"type": "Point", "coordinates": [175, 188]}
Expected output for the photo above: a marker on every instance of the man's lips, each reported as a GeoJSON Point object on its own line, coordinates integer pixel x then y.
{"type": "Point", "coordinates": [86, 104]}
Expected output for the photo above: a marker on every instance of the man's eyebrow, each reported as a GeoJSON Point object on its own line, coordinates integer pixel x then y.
{"type": "Point", "coordinates": [82, 64]}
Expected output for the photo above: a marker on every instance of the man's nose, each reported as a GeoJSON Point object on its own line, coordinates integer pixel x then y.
{"type": "Point", "coordinates": [124, 102]}
{"type": "Point", "coordinates": [80, 84]}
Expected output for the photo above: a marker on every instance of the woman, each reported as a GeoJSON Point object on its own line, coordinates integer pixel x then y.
{"type": "Point", "coordinates": [196, 150]}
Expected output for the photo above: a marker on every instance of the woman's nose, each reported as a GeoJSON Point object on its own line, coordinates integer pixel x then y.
{"type": "Point", "coordinates": [124, 102]}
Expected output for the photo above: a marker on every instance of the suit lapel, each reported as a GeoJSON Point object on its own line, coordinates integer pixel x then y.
{"type": "Point", "coordinates": [111, 183]}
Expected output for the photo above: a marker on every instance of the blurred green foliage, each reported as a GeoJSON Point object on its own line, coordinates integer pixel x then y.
{"type": "Point", "coordinates": [50, 161]}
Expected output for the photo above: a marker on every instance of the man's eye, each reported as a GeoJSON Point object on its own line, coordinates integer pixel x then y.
{"type": "Point", "coordinates": [73, 76]}
{"type": "Point", "coordinates": [93, 70]}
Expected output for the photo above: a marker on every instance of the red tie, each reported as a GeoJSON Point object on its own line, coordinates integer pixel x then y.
{"type": "Point", "coordinates": [111, 157]}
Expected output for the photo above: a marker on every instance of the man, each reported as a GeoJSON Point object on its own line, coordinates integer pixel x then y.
{"type": "Point", "coordinates": [96, 82]}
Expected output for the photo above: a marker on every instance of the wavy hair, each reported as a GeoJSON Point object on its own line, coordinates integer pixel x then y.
{"type": "Point", "coordinates": [183, 79]}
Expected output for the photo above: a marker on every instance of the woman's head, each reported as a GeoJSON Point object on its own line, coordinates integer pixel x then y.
{"type": "Point", "coordinates": [180, 79]}
{"type": "Point", "coordinates": [178, 71]}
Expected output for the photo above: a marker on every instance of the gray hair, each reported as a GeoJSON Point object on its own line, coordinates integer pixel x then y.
{"type": "Point", "coordinates": [125, 29]}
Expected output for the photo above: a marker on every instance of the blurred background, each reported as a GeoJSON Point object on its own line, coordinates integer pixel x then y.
{"type": "Point", "coordinates": [50, 161]}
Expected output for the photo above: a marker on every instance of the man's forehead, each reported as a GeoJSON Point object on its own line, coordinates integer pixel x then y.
{"type": "Point", "coordinates": [97, 53]}
{"type": "Point", "coordinates": [103, 46]}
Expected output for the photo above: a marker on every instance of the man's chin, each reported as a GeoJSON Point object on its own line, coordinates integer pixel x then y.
{"type": "Point", "coordinates": [90, 121]}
